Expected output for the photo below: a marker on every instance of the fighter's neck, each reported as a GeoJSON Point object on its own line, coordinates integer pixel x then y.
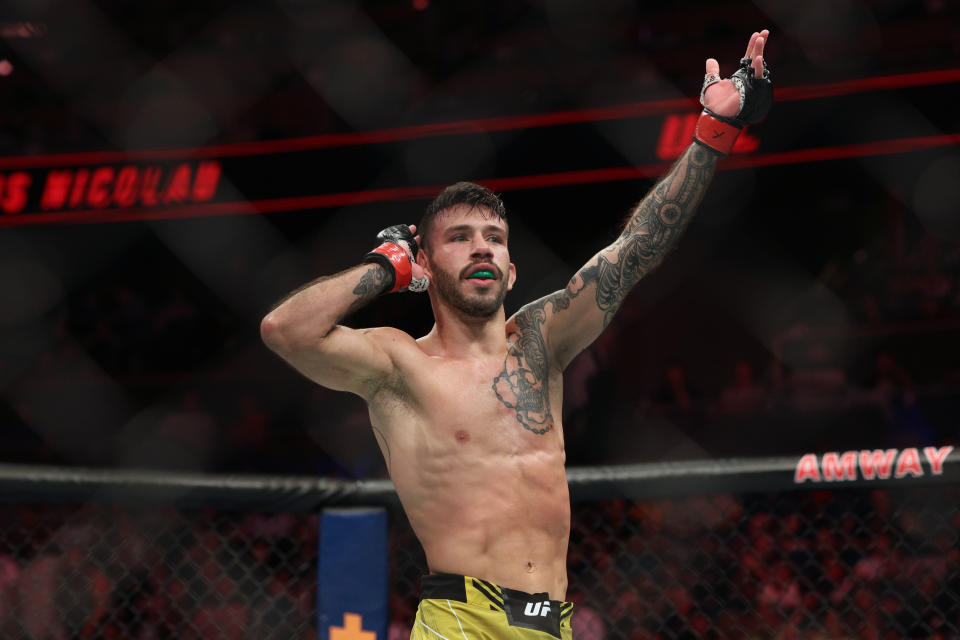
{"type": "Point", "coordinates": [453, 336]}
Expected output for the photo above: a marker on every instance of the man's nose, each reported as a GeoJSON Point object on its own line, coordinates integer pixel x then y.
{"type": "Point", "coordinates": [481, 248]}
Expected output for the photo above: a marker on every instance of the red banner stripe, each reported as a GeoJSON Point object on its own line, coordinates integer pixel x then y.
{"type": "Point", "coordinates": [425, 192]}
{"type": "Point", "coordinates": [464, 127]}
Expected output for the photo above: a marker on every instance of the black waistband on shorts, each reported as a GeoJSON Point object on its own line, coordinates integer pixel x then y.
{"type": "Point", "coordinates": [443, 586]}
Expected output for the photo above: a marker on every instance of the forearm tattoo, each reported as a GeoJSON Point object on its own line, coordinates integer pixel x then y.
{"type": "Point", "coordinates": [523, 383]}
{"type": "Point", "coordinates": [372, 284]}
{"type": "Point", "coordinates": [649, 233]}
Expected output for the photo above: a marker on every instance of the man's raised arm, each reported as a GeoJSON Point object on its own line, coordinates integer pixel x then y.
{"type": "Point", "coordinates": [302, 328]}
{"type": "Point", "coordinates": [578, 314]}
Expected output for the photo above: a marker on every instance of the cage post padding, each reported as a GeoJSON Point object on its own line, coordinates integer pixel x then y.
{"type": "Point", "coordinates": [352, 574]}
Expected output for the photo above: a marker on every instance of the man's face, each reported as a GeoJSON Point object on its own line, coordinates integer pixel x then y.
{"type": "Point", "coordinates": [468, 262]}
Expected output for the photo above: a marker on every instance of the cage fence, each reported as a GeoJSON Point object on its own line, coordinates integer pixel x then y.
{"type": "Point", "coordinates": [122, 571]}
{"type": "Point", "coordinates": [98, 556]}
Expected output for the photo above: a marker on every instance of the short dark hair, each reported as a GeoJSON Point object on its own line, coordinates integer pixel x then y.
{"type": "Point", "coordinates": [468, 193]}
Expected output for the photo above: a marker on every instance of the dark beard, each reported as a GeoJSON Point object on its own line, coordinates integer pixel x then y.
{"type": "Point", "coordinates": [476, 306]}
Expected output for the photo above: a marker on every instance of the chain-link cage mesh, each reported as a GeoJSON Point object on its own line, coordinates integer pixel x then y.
{"type": "Point", "coordinates": [880, 564]}
{"type": "Point", "coordinates": [848, 563]}
{"type": "Point", "coordinates": [104, 572]}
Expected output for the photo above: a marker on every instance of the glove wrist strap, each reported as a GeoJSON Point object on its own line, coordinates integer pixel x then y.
{"type": "Point", "coordinates": [397, 263]}
{"type": "Point", "coordinates": [716, 134]}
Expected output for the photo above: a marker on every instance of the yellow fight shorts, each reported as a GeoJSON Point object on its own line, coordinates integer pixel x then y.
{"type": "Point", "coordinates": [456, 607]}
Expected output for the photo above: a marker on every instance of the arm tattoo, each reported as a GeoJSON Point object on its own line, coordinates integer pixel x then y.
{"type": "Point", "coordinates": [651, 231]}
{"type": "Point", "coordinates": [371, 285]}
{"type": "Point", "coordinates": [656, 223]}
{"type": "Point", "coordinates": [523, 383]}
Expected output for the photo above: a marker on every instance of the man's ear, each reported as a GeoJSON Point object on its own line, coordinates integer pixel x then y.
{"type": "Point", "coordinates": [511, 276]}
{"type": "Point", "coordinates": [424, 261]}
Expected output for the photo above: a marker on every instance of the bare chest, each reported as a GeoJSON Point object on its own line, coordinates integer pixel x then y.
{"type": "Point", "coordinates": [506, 403]}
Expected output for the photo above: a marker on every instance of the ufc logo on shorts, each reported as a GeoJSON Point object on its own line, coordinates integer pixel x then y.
{"type": "Point", "coordinates": [537, 608]}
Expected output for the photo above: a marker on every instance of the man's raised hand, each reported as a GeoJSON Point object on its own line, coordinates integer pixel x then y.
{"type": "Point", "coordinates": [730, 104]}
{"type": "Point", "coordinates": [397, 254]}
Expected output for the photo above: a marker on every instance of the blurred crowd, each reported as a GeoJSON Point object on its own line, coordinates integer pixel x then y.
{"type": "Point", "coordinates": [100, 573]}
{"type": "Point", "coordinates": [879, 564]}
{"type": "Point", "coordinates": [872, 565]}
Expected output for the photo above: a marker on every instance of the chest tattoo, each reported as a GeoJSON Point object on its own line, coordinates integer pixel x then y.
{"type": "Point", "coordinates": [523, 383]}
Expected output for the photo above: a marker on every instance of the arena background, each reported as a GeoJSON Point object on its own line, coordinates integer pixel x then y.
{"type": "Point", "coordinates": [170, 170]}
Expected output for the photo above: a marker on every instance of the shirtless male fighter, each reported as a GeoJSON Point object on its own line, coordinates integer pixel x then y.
{"type": "Point", "coordinates": [468, 416]}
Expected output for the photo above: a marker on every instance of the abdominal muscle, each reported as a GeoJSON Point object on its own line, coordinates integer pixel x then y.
{"type": "Point", "coordinates": [500, 517]}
